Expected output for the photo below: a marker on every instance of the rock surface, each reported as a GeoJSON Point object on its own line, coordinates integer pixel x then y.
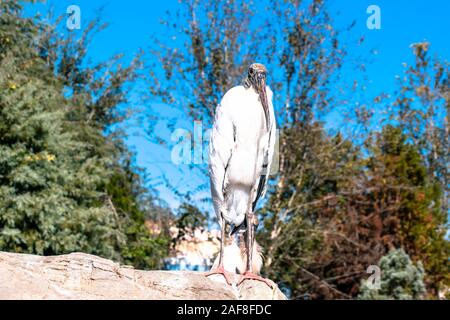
{"type": "Point", "coordinates": [85, 276]}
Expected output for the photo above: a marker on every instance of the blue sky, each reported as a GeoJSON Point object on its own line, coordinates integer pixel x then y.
{"type": "Point", "coordinates": [131, 24]}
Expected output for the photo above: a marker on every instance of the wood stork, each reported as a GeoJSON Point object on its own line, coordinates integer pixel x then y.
{"type": "Point", "coordinates": [240, 155]}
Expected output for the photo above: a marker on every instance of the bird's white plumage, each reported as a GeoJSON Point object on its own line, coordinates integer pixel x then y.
{"type": "Point", "coordinates": [240, 145]}
{"type": "Point", "coordinates": [235, 260]}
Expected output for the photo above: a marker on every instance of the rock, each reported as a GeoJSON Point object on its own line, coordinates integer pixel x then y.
{"type": "Point", "coordinates": [85, 276]}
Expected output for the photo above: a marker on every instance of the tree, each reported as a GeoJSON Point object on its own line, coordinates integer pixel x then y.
{"type": "Point", "coordinates": [50, 183]}
{"type": "Point", "coordinates": [189, 219]}
{"type": "Point", "coordinates": [98, 95]}
{"type": "Point", "coordinates": [400, 279]}
{"type": "Point", "coordinates": [348, 211]}
{"type": "Point", "coordinates": [69, 183]}
{"type": "Point", "coordinates": [422, 109]}
{"type": "Point", "coordinates": [307, 235]}
{"type": "Point", "coordinates": [130, 201]}
{"type": "Point", "coordinates": [408, 200]}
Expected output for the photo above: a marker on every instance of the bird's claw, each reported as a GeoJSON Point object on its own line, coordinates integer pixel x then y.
{"type": "Point", "coordinates": [220, 270]}
{"type": "Point", "coordinates": [251, 276]}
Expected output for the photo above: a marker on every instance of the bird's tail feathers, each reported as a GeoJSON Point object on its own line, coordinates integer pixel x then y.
{"type": "Point", "coordinates": [232, 259]}
{"type": "Point", "coordinates": [235, 256]}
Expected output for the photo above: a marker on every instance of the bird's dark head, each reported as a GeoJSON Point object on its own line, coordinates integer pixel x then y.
{"type": "Point", "coordinates": [256, 78]}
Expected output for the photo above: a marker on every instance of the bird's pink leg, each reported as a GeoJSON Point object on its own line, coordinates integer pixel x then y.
{"type": "Point", "coordinates": [248, 275]}
{"type": "Point", "coordinates": [220, 269]}
{"type": "Point", "coordinates": [250, 241]}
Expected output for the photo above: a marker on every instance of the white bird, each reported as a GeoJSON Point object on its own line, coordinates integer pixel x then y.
{"type": "Point", "coordinates": [240, 154]}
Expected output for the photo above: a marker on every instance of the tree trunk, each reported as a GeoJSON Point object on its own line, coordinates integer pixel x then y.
{"type": "Point", "coordinates": [85, 276]}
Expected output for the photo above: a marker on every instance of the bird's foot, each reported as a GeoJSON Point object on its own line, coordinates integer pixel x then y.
{"type": "Point", "coordinates": [248, 275]}
{"type": "Point", "coordinates": [219, 270]}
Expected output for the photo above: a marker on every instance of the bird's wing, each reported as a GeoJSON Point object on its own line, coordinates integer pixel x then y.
{"type": "Point", "coordinates": [220, 149]}
{"type": "Point", "coordinates": [268, 154]}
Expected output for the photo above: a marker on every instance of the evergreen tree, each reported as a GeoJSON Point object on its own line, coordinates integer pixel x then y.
{"type": "Point", "coordinates": [129, 199]}
{"type": "Point", "coordinates": [50, 183]}
{"type": "Point", "coordinates": [189, 219]}
{"type": "Point", "coordinates": [399, 279]}
{"type": "Point", "coordinates": [68, 183]}
{"type": "Point", "coordinates": [98, 96]}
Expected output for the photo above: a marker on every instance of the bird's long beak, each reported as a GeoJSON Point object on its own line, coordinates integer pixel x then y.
{"type": "Point", "coordinates": [261, 90]}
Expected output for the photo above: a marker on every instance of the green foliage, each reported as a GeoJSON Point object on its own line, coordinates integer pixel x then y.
{"type": "Point", "coordinates": [189, 219]}
{"type": "Point", "coordinates": [400, 279]}
{"type": "Point", "coordinates": [412, 198]}
{"type": "Point", "coordinates": [64, 185]}
{"type": "Point", "coordinates": [50, 183]}
{"type": "Point", "coordinates": [143, 249]}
